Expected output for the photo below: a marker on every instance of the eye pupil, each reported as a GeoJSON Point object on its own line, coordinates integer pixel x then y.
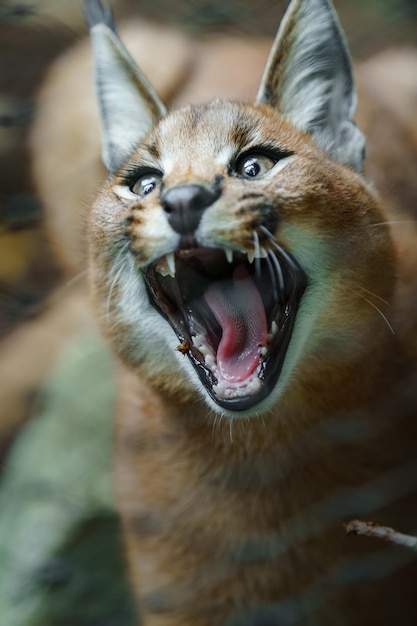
{"type": "Point", "coordinates": [252, 168]}
{"type": "Point", "coordinates": [148, 185]}
{"type": "Point", "coordinates": [254, 165]}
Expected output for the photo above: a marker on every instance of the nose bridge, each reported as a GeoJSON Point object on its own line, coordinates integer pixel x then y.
{"type": "Point", "coordinates": [192, 170]}
{"type": "Point", "coordinates": [185, 204]}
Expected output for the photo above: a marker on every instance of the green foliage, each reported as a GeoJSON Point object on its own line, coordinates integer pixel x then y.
{"type": "Point", "coordinates": [60, 556]}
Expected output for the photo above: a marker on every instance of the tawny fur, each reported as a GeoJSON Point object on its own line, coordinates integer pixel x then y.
{"type": "Point", "coordinates": [194, 495]}
{"type": "Point", "coordinates": [221, 516]}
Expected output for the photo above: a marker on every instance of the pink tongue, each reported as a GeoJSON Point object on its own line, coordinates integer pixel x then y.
{"type": "Point", "coordinates": [238, 308]}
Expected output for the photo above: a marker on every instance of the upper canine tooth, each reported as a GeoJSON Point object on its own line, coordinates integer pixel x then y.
{"type": "Point", "coordinates": [250, 255]}
{"type": "Point", "coordinates": [229, 254]}
{"type": "Point", "coordinates": [263, 253]}
{"type": "Point", "coordinates": [171, 264]}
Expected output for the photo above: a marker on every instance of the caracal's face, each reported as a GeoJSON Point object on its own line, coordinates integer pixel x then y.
{"type": "Point", "coordinates": [237, 255]}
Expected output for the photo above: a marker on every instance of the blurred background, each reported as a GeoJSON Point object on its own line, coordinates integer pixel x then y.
{"type": "Point", "coordinates": [33, 33]}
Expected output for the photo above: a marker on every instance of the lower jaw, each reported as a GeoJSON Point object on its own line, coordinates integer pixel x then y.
{"type": "Point", "coordinates": [226, 391]}
{"type": "Point", "coordinates": [240, 403]}
{"type": "Point", "coordinates": [252, 394]}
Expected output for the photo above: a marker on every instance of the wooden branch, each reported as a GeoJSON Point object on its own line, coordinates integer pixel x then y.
{"type": "Point", "coordinates": [371, 529]}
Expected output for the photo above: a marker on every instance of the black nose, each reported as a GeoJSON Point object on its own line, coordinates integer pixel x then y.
{"type": "Point", "coordinates": [185, 204]}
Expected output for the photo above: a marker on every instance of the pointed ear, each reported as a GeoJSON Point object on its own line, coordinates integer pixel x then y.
{"type": "Point", "coordinates": [308, 78]}
{"type": "Point", "coordinates": [129, 106]}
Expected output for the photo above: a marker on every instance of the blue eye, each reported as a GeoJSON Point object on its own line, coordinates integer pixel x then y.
{"type": "Point", "coordinates": [145, 184]}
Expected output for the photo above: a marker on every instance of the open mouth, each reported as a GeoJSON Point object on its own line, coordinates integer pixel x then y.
{"type": "Point", "coordinates": [233, 315]}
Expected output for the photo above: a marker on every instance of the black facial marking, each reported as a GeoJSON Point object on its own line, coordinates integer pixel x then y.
{"type": "Point", "coordinates": [153, 150]}
{"type": "Point", "coordinates": [218, 183]}
{"type": "Point", "coordinates": [251, 196]}
{"type": "Point", "coordinates": [242, 133]}
{"type": "Point", "coordinates": [266, 215]}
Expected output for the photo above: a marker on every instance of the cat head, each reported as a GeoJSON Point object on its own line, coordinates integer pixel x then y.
{"type": "Point", "coordinates": [232, 246]}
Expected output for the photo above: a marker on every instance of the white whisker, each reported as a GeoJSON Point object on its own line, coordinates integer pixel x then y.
{"type": "Point", "coordinates": [257, 254]}
{"type": "Point", "coordinates": [231, 430]}
{"type": "Point", "coordinates": [276, 245]}
{"type": "Point", "coordinates": [112, 286]}
{"type": "Point", "coordinates": [76, 278]}
{"type": "Point", "coordinates": [273, 276]}
{"type": "Point", "coordinates": [376, 296]}
{"type": "Point", "coordinates": [118, 267]}
{"type": "Point", "coordinates": [376, 309]}
{"type": "Point", "coordinates": [392, 222]}
{"type": "Point", "coordinates": [279, 272]}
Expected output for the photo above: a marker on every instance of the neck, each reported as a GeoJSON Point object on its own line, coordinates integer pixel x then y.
{"type": "Point", "coordinates": [215, 496]}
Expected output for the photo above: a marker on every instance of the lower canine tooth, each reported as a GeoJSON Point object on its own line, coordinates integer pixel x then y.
{"type": "Point", "coordinates": [273, 331]}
